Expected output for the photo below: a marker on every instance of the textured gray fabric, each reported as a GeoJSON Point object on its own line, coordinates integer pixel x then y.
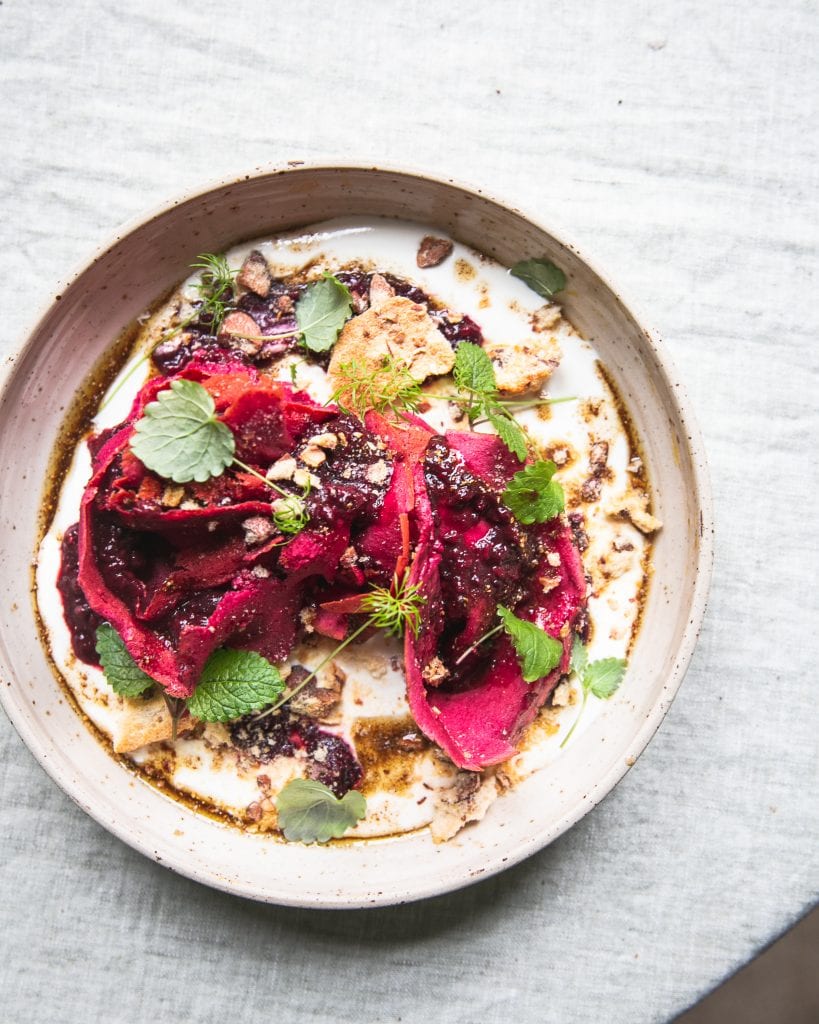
{"type": "Point", "coordinates": [677, 142]}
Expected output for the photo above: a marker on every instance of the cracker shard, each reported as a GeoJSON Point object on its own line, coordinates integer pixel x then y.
{"type": "Point", "coordinates": [397, 328]}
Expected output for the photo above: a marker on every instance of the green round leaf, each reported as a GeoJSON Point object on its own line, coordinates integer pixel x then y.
{"type": "Point", "coordinates": [179, 438]}
{"type": "Point", "coordinates": [541, 275]}
{"type": "Point", "coordinates": [322, 311]}
{"type": "Point", "coordinates": [309, 812]}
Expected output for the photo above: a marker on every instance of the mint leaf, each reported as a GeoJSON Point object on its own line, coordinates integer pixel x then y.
{"type": "Point", "coordinates": [473, 370]}
{"type": "Point", "coordinates": [122, 673]}
{"type": "Point", "coordinates": [580, 656]}
{"type": "Point", "coordinates": [541, 275]}
{"type": "Point", "coordinates": [309, 812]}
{"type": "Point", "coordinates": [538, 653]}
{"type": "Point", "coordinates": [179, 437]}
{"type": "Point", "coordinates": [234, 683]}
{"type": "Point", "coordinates": [603, 677]}
{"type": "Point", "coordinates": [532, 496]}
{"type": "Point", "coordinates": [322, 311]}
{"type": "Point", "coordinates": [508, 430]}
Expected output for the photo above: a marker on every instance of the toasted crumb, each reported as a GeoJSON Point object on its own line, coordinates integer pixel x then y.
{"type": "Point", "coordinates": [525, 366]}
{"type": "Point", "coordinates": [466, 800]}
{"type": "Point", "coordinates": [633, 505]}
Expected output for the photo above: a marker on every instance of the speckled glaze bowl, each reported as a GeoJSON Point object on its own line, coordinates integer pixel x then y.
{"type": "Point", "coordinates": [120, 282]}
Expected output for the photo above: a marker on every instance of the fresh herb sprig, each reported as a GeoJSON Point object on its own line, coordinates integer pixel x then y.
{"type": "Point", "coordinates": [180, 438]}
{"type": "Point", "coordinates": [389, 385]}
{"type": "Point", "coordinates": [215, 288]}
{"type": "Point", "coordinates": [474, 377]}
{"type": "Point", "coordinates": [395, 609]}
{"type": "Point", "coordinates": [233, 683]}
{"type": "Point", "coordinates": [309, 811]}
{"type": "Point", "coordinates": [599, 678]}
{"type": "Point", "coordinates": [538, 653]}
{"type": "Point", "coordinates": [533, 496]}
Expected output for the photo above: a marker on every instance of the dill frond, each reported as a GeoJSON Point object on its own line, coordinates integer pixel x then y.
{"type": "Point", "coordinates": [387, 386]}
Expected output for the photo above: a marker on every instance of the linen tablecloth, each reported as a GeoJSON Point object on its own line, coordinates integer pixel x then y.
{"type": "Point", "coordinates": [676, 142]}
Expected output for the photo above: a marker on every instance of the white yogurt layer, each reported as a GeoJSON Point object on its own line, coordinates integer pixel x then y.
{"type": "Point", "coordinates": [468, 283]}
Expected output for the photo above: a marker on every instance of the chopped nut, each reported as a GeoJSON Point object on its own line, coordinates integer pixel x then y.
{"type": "Point", "coordinates": [318, 699]}
{"type": "Point", "coordinates": [301, 478]}
{"type": "Point", "coordinates": [258, 529]}
{"type": "Point", "coordinates": [327, 440]}
{"type": "Point", "coordinates": [380, 290]}
{"type": "Point", "coordinates": [172, 496]}
{"type": "Point", "coordinates": [255, 274]}
{"type": "Point", "coordinates": [308, 619]}
{"type": "Point", "coordinates": [241, 323]}
{"type": "Point", "coordinates": [545, 318]}
{"type": "Point", "coordinates": [553, 558]}
{"type": "Point", "coordinates": [598, 457]}
{"type": "Point", "coordinates": [560, 456]}
{"type": "Point", "coordinates": [435, 672]}
{"type": "Point", "coordinates": [433, 251]}
{"type": "Point", "coordinates": [312, 456]}
{"type": "Point", "coordinates": [349, 558]}
{"type": "Point", "coordinates": [283, 469]}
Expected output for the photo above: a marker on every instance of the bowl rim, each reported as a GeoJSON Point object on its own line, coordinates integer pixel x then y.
{"type": "Point", "coordinates": [693, 442]}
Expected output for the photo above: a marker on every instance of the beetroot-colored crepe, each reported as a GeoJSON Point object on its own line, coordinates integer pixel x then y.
{"type": "Point", "coordinates": [478, 724]}
{"type": "Point", "coordinates": [177, 583]}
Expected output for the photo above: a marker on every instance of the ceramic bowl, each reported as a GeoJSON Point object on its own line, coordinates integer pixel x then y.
{"type": "Point", "coordinates": [118, 285]}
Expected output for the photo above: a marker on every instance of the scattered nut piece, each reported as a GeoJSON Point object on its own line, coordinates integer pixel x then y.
{"type": "Point", "coordinates": [283, 469]}
{"type": "Point", "coordinates": [435, 672]}
{"type": "Point", "coordinates": [241, 323]}
{"type": "Point", "coordinates": [258, 529]}
{"type": "Point", "coordinates": [172, 496]}
{"type": "Point", "coordinates": [327, 440]}
{"type": "Point", "coordinates": [380, 291]}
{"type": "Point", "coordinates": [255, 274]}
{"type": "Point", "coordinates": [433, 251]}
{"type": "Point", "coordinates": [319, 699]}
{"type": "Point", "coordinates": [313, 456]}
